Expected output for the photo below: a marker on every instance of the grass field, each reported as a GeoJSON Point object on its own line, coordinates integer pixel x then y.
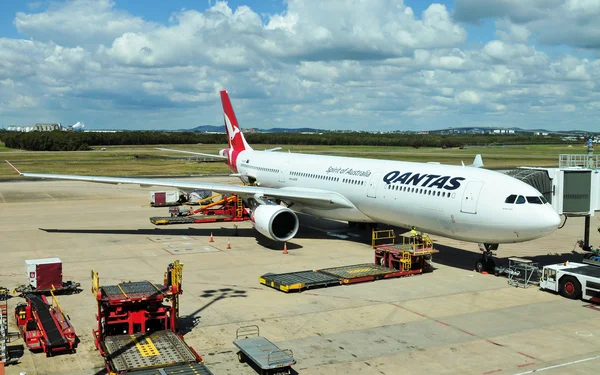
{"type": "Point", "coordinates": [147, 161]}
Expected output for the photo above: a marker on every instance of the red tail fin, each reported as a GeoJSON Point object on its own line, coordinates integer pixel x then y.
{"type": "Point", "coordinates": [236, 139]}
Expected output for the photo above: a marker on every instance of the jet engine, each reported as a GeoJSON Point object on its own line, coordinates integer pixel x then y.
{"type": "Point", "coordinates": [275, 222]}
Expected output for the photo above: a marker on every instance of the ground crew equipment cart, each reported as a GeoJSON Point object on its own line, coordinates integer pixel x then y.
{"type": "Point", "coordinates": [270, 359]}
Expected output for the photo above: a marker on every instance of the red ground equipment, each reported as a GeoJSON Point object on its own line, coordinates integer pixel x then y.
{"type": "Point", "coordinates": [228, 208]}
{"type": "Point", "coordinates": [138, 332]}
{"type": "Point", "coordinates": [44, 327]}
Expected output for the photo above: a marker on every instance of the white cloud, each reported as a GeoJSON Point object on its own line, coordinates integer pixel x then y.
{"type": "Point", "coordinates": [373, 64]}
{"type": "Point", "coordinates": [555, 22]}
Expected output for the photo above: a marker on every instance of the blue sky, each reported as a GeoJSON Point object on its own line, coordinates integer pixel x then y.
{"type": "Point", "coordinates": [340, 64]}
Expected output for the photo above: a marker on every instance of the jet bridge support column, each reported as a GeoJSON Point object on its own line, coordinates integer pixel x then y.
{"type": "Point", "coordinates": [586, 234]}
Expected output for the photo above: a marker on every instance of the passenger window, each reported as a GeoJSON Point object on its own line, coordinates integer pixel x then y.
{"type": "Point", "coordinates": [534, 200]}
{"type": "Point", "coordinates": [521, 199]}
{"type": "Point", "coordinates": [511, 199]}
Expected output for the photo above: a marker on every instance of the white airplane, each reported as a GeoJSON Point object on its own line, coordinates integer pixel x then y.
{"type": "Point", "coordinates": [460, 202]}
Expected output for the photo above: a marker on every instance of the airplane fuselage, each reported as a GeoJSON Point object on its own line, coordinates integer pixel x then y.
{"type": "Point", "coordinates": [458, 202]}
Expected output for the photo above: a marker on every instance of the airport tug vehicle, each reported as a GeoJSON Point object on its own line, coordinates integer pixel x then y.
{"type": "Point", "coordinates": [572, 280]}
{"type": "Point", "coordinates": [44, 326]}
{"type": "Point", "coordinates": [138, 332]}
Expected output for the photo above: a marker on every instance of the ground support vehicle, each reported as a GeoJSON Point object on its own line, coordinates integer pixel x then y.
{"type": "Point", "coordinates": [391, 261]}
{"type": "Point", "coordinates": [592, 257]}
{"type": "Point", "coordinates": [229, 208]}
{"type": "Point", "coordinates": [263, 353]}
{"type": "Point", "coordinates": [66, 287]}
{"type": "Point", "coordinates": [138, 332]}
{"type": "Point", "coordinates": [572, 280]}
{"type": "Point", "coordinates": [44, 327]}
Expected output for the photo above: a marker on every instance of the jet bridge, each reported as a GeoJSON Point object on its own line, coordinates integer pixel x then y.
{"type": "Point", "coordinates": [573, 189]}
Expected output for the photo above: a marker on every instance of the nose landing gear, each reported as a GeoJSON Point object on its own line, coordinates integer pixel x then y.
{"type": "Point", "coordinates": [486, 263]}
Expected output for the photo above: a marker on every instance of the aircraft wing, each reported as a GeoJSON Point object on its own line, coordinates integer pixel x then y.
{"type": "Point", "coordinates": [194, 153]}
{"type": "Point", "coordinates": [310, 197]}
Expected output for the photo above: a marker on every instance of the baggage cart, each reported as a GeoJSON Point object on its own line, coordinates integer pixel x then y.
{"type": "Point", "coordinates": [268, 357]}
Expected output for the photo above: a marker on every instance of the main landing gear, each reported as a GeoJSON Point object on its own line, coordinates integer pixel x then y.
{"type": "Point", "coordinates": [486, 263]}
{"type": "Point", "coordinates": [362, 226]}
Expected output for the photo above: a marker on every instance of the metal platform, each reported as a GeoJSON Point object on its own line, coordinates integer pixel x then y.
{"type": "Point", "coordinates": [302, 280]}
{"type": "Point", "coordinates": [260, 350]}
{"type": "Point", "coordinates": [145, 351]}
{"type": "Point", "coordinates": [296, 281]}
{"type": "Point", "coordinates": [132, 290]}
{"type": "Point", "coordinates": [189, 369]}
{"type": "Point", "coordinates": [358, 271]}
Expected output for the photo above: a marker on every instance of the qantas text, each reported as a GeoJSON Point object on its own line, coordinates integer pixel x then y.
{"type": "Point", "coordinates": [423, 180]}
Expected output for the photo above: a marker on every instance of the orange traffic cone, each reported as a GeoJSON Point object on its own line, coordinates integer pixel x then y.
{"type": "Point", "coordinates": [211, 238]}
{"type": "Point", "coordinates": [285, 248]}
{"type": "Point", "coordinates": [228, 245]}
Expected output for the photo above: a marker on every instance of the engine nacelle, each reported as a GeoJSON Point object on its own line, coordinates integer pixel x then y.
{"type": "Point", "coordinates": [275, 222]}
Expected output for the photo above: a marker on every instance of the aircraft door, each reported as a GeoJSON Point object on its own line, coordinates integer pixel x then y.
{"type": "Point", "coordinates": [470, 197]}
{"type": "Point", "coordinates": [373, 182]}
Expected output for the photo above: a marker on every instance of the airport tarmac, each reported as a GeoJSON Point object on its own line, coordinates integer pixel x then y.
{"type": "Point", "coordinates": [451, 321]}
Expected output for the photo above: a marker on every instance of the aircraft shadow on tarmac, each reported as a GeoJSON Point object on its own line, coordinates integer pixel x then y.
{"type": "Point", "coordinates": [323, 229]}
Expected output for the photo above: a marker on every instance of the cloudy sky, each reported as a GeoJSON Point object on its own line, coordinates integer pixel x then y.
{"type": "Point", "coordinates": [347, 64]}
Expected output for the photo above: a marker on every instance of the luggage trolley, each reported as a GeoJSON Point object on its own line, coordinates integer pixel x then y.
{"type": "Point", "coordinates": [267, 356]}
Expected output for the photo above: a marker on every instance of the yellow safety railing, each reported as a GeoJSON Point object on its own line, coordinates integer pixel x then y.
{"type": "Point", "coordinates": [406, 261]}
{"type": "Point", "coordinates": [384, 234]}
{"type": "Point", "coordinates": [55, 303]}
{"type": "Point", "coordinates": [239, 209]}
{"type": "Point", "coordinates": [95, 283]}
{"type": "Point", "coordinates": [423, 246]}
{"type": "Point", "coordinates": [177, 274]}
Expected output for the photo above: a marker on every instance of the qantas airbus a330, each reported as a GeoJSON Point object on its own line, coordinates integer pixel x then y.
{"type": "Point", "coordinates": [461, 202]}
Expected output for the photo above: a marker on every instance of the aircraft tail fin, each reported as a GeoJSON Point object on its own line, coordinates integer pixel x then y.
{"type": "Point", "coordinates": [478, 162]}
{"type": "Point", "coordinates": [235, 138]}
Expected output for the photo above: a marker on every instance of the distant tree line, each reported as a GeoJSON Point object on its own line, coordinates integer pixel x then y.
{"type": "Point", "coordinates": [79, 141]}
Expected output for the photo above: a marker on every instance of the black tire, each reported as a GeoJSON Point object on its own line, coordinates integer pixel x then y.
{"type": "Point", "coordinates": [491, 265]}
{"type": "Point", "coordinates": [570, 287]}
{"type": "Point", "coordinates": [480, 265]}
{"type": "Point", "coordinates": [241, 357]}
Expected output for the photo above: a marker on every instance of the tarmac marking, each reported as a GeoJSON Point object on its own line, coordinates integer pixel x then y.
{"type": "Point", "coordinates": [468, 333]}
{"type": "Point", "coordinates": [526, 364]}
{"type": "Point", "coordinates": [559, 365]}
{"type": "Point", "coordinates": [525, 355]}
{"type": "Point", "coordinates": [491, 372]}
{"type": "Point", "coordinates": [442, 323]}
{"type": "Point", "coordinates": [2, 197]}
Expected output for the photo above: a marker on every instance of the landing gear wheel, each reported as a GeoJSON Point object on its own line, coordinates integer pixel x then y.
{"type": "Point", "coordinates": [491, 265]}
{"type": "Point", "coordinates": [241, 357]}
{"type": "Point", "coordinates": [480, 265]}
{"type": "Point", "coordinates": [570, 288]}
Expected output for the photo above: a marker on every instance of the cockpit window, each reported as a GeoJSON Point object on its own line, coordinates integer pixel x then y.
{"type": "Point", "coordinates": [511, 199]}
{"type": "Point", "coordinates": [534, 200]}
{"type": "Point", "coordinates": [521, 199]}
{"type": "Point", "coordinates": [544, 201]}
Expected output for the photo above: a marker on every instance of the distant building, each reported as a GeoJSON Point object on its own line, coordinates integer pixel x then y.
{"type": "Point", "coordinates": [35, 128]}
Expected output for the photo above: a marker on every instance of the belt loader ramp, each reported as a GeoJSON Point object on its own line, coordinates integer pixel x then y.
{"type": "Point", "coordinates": [228, 208]}
{"type": "Point", "coordinates": [138, 333]}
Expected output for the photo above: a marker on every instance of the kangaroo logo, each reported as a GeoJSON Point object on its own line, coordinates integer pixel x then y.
{"type": "Point", "coordinates": [231, 131]}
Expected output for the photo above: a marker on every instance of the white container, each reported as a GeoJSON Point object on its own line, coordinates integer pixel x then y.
{"type": "Point", "coordinates": [43, 273]}
{"type": "Point", "coordinates": [164, 197]}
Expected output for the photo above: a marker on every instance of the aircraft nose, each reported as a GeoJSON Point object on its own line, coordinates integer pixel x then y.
{"type": "Point", "coordinates": [549, 221]}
